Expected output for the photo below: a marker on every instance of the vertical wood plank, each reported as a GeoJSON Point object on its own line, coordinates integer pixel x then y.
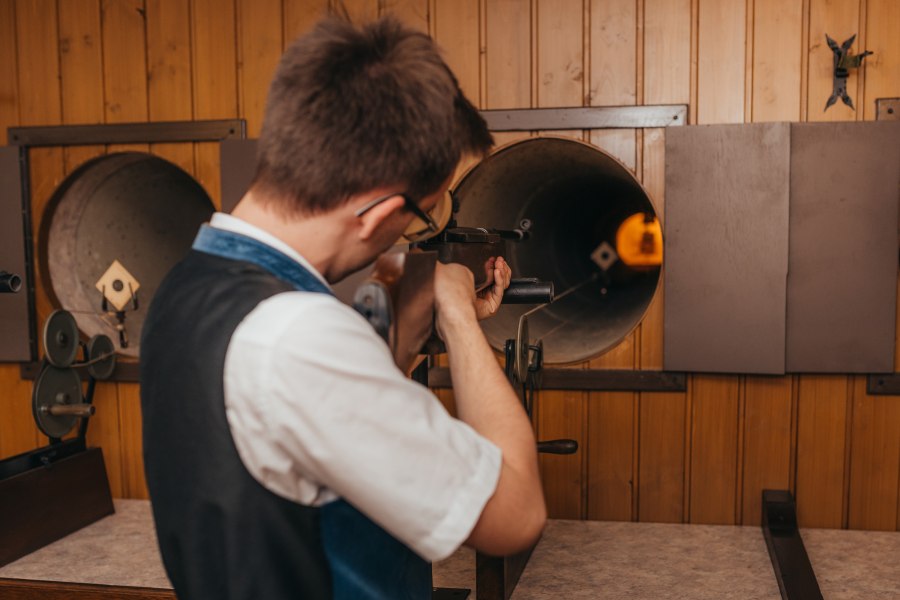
{"type": "Point", "coordinates": [714, 419]}
{"type": "Point", "coordinates": [9, 89]}
{"type": "Point", "coordinates": [134, 485]}
{"type": "Point", "coordinates": [81, 72]}
{"type": "Point", "coordinates": [300, 16]}
{"type": "Point", "coordinates": [667, 51]}
{"type": "Point", "coordinates": [714, 449]}
{"type": "Point", "coordinates": [874, 460]}
{"type": "Point", "coordinates": [361, 11]}
{"type": "Point", "coordinates": [412, 12]}
{"type": "Point", "coordinates": [81, 77]}
{"type": "Point", "coordinates": [259, 23]}
{"type": "Point", "coordinates": [508, 43]}
{"type": "Point", "coordinates": [610, 447]}
{"type": "Point", "coordinates": [767, 426]}
{"type": "Point", "coordinates": [215, 81]}
{"type": "Point", "coordinates": [767, 442]}
{"type": "Point", "coordinates": [663, 423]}
{"type": "Point", "coordinates": [125, 93]}
{"type": "Point", "coordinates": [169, 74]}
{"type": "Point", "coordinates": [776, 64]}
{"type": "Point", "coordinates": [613, 71]}
{"type": "Point", "coordinates": [611, 416]}
{"type": "Point", "coordinates": [720, 75]}
{"type": "Point", "coordinates": [456, 30]}
{"type": "Point", "coordinates": [39, 104]}
{"type": "Point", "coordinates": [821, 437]}
{"type": "Point", "coordinates": [560, 82]}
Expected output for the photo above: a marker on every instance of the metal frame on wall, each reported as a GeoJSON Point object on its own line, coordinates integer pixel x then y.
{"type": "Point", "coordinates": [212, 130]}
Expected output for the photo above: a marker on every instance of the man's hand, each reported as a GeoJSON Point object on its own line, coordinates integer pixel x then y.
{"type": "Point", "coordinates": [488, 301]}
{"type": "Point", "coordinates": [454, 298]}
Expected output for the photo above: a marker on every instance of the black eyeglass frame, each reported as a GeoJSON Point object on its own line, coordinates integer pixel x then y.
{"type": "Point", "coordinates": [408, 204]}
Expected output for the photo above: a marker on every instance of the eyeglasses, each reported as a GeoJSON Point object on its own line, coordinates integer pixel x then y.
{"type": "Point", "coordinates": [416, 232]}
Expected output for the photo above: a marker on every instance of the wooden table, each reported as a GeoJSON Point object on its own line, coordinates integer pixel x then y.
{"type": "Point", "coordinates": [117, 557]}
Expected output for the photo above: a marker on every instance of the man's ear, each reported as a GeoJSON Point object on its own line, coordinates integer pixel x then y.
{"type": "Point", "coordinates": [375, 216]}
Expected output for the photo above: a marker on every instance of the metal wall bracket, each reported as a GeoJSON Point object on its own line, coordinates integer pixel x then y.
{"type": "Point", "coordinates": [593, 380]}
{"type": "Point", "coordinates": [128, 133]}
{"type": "Point", "coordinates": [887, 109]}
{"type": "Point", "coordinates": [590, 117]}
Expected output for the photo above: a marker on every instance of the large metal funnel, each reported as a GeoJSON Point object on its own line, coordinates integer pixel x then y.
{"type": "Point", "coordinates": [575, 197]}
{"type": "Point", "coordinates": [134, 208]}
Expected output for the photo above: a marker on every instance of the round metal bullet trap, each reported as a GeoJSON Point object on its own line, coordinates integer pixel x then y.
{"type": "Point", "coordinates": [573, 199]}
{"type": "Point", "coordinates": [56, 401]}
{"type": "Point", "coordinates": [110, 233]}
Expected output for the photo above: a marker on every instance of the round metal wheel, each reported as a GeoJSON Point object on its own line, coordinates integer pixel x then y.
{"type": "Point", "coordinates": [521, 369]}
{"type": "Point", "coordinates": [61, 338]}
{"type": "Point", "coordinates": [97, 346]}
{"type": "Point", "coordinates": [53, 387]}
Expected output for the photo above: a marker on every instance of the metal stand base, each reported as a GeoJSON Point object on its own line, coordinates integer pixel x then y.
{"type": "Point", "coordinates": [794, 573]}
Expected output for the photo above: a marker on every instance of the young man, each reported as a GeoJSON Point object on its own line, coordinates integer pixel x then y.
{"type": "Point", "coordinates": [286, 455]}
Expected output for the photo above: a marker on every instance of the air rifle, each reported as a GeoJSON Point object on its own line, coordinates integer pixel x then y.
{"type": "Point", "coordinates": [398, 299]}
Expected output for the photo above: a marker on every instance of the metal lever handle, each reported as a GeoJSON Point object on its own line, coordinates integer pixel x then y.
{"type": "Point", "coordinates": [528, 291]}
{"type": "Point", "coordinates": [75, 410]}
{"type": "Point", "coordinates": [558, 447]}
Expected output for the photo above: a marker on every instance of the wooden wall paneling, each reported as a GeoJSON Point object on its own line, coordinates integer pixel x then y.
{"type": "Point", "coordinates": [260, 43]}
{"type": "Point", "coordinates": [613, 71]}
{"type": "Point", "coordinates": [667, 51]}
{"type": "Point", "coordinates": [840, 20]}
{"type": "Point", "coordinates": [768, 401]}
{"type": "Point", "coordinates": [215, 81]}
{"type": "Point", "coordinates": [663, 424]}
{"type": "Point", "coordinates": [714, 449]}
{"type": "Point", "coordinates": [720, 70]}
{"type": "Point", "coordinates": [562, 414]}
{"type": "Point", "coordinates": [721, 29]}
{"type": "Point", "coordinates": [82, 81]}
{"type": "Point", "coordinates": [457, 31]}
{"type": "Point", "coordinates": [81, 73]}
{"type": "Point", "coordinates": [883, 67]}
{"type": "Point", "coordinates": [361, 10]}
{"type": "Point", "coordinates": [125, 91]}
{"type": "Point", "coordinates": [612, 439]}
{"type": "Point", "coordinates": [508, 47]}
{"type": "Point", "coordinates": [299, 16]}
{"type": "Point", "coordinates": [609, 451]}
{"type": "Point", "coordinates": [414, 13]}
{"type": "Point", "coordinates": [9, 89]}
{"type": "Point", "coordinates": [874, 460]}
{"type": "Point", "coordinates": [39, 104]}
{"type": "Point", "coordinates": [169, 93]}
{"type": "Point", "coordinates": [767, 430]}
{"type": "Point", "coordinates": [821, 438]}
{"type": "Point", "coordinates": [777, 59]}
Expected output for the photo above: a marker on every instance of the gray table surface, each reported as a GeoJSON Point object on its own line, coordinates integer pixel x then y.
{"type": "Point", "coordinates": [574, 560]}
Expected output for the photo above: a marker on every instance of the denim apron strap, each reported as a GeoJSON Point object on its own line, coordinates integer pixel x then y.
{"type": "Point", "coordinates": [228, 244]}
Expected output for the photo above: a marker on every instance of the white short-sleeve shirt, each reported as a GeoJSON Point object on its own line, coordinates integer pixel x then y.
{"type": "Point", "coordinates": [318, 411]}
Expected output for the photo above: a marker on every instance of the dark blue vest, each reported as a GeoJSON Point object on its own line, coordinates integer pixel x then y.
{"type": "Point", "coordinates": [222, 534]}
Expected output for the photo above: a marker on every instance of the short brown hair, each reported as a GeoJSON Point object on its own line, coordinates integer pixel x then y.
{"type": "Point", "coordinates": [352, 109]}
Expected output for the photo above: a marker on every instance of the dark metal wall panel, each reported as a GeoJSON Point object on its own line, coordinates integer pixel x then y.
{"type": "Point", "coordinates": [726, 247]}
{"type": "Point", "coordinates": [14, 315]}
{"type": "Point", "coordinates": [843, 247]}
{"type": "Point", "coordinates": [238, 160]}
